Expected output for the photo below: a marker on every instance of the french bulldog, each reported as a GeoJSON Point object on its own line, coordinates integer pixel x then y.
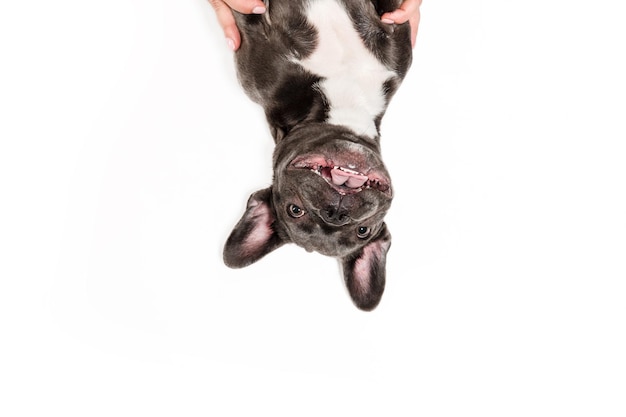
{"type": "Point", "coordinates": [324, 72]}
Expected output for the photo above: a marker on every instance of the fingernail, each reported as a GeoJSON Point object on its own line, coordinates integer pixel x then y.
{"type": "Point", "coordinates": [231, 44]}
{"type": "Point", "coordinates": [388, 21]}
{"type": "Point", "coordinates": [258, 10]}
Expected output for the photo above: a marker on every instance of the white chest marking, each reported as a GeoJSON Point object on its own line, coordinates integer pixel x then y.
{"type": "Point", "coordinates": [353, 77]}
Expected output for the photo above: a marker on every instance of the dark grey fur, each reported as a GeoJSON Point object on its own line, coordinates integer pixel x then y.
{"type": "Point", "coordinates": [331, 221]}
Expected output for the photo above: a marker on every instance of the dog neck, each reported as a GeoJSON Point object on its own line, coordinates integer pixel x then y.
{"type": "Point", "coordinates": [309, 137]}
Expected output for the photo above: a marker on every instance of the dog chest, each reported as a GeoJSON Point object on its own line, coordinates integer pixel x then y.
{"type": "Point", "coordinates": [351, 77]}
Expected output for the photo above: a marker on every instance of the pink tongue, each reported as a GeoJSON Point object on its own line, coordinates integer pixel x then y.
{"type": "Point", "coordinates": [347, 178]}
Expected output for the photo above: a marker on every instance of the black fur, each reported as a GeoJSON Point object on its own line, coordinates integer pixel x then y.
{"type": "Point", "coordinates": [346, 222]}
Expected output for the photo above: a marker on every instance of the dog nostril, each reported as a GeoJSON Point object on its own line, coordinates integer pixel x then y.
{"type": "Point", "coordinates": [334, 216]}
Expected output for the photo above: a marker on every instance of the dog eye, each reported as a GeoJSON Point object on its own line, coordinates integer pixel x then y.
{"type": "Point", "coordinates": [295, 211]}
{"type": "Point", "coordinates": [363, 232]}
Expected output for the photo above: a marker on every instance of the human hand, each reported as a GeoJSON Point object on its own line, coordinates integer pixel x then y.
{"type": "Point", "coordinates": [224, 11]}
{"type": "Point", "coordinates": [409, 11]}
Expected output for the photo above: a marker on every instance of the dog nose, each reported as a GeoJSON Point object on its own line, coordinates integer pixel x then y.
{"type": "Point", "coordinates": [335, 217]}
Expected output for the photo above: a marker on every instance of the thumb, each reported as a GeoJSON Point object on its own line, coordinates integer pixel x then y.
{"type": "Point", "coordinates": [224, 11]}
{"type": "Point", "coordinates": [227, 21]}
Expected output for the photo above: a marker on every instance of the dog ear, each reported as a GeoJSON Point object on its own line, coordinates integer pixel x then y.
{"type": "Point", "coordinates": [255, 235]}
{"type": "Point", "coordinates": [364, 271]}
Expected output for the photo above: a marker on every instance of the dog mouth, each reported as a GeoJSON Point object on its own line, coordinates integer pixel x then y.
{"type": "Point", "coordinates": [344, 179]}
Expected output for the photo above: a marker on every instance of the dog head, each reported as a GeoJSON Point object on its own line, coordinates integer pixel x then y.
{"type": "Point", "coordinates": [330, 194]}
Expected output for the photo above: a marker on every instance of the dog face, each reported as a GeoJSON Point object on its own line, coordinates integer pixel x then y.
{"type": "Point", "coordinates": [330, 194]}
{"type": "Point", "coordinates": [331, 191]}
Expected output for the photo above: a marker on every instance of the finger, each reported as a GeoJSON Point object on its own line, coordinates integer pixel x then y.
{"type": "Point", "coordinates": [414, 22]}
{"type": "Point", "coordinates": [246, 6]}
{"type": "Point", "coordinates": [224, 11]}
{"type": "Point", "coordinates": [407, 12]}
{"type": "Point", "coordinates": [401, 14]}
{"type": "Point", "coordinates": [226, 20]}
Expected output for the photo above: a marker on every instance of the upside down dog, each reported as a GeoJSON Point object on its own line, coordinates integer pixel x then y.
{"type": "Point", "coordinates": [324, 72]}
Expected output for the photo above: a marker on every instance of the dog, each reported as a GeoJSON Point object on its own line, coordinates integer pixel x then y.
{"type": "Point", "coordinates": [324, 72]}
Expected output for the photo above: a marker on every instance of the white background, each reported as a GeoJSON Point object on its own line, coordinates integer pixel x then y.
{"type": "Point", "coordinates": [127, 154]}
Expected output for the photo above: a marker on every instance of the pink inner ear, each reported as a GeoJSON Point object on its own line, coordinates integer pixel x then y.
{"type": "Point", "coordinates": [262, 230]}
{"type": "Point", "coordinates": [363, 268]}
